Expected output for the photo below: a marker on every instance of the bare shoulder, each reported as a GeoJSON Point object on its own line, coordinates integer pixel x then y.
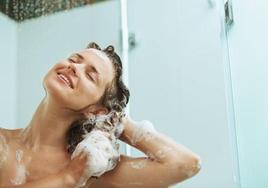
{"type": "Point", "coordinates": [8, 134]}
{"type": "Point", "coordinates": [134, 172]}
{"type": "Point", "coordinates": [4, 135]}
{"type": "Point", "coordinates": [7, 137]}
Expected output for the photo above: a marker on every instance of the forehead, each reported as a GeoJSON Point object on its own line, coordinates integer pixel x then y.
{"type": "Point", "coordinates": [95, 54]}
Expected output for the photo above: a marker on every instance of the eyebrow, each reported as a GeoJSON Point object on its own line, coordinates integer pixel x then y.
{"type": "Point", "coordinates": [80, 56]}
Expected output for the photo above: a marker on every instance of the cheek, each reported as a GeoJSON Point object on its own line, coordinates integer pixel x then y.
{"type": "Point", "coordinates": [91, 94]}
{"type": "Point", "coordinates": [52, 85]}
{"type": "Point", "coordinates": [50, 72]}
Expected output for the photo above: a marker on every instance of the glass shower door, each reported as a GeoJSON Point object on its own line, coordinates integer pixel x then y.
{"type": "Point", "coordinates": [177, 78]}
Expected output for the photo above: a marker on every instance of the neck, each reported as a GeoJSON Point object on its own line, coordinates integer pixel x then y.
{"type": "Point", "coordinates": [49, 126]}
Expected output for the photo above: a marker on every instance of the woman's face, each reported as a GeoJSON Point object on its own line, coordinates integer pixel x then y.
{"type": "Point", "coordinates": [80, 80]}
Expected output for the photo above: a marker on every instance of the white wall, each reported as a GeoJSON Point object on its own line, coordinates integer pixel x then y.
{"type": "Point", "coordinates": [177, 81]}
{"type": "Point", "coordinates": [248, 44]}
{"type": "Point", "coordinates": [8, 54]}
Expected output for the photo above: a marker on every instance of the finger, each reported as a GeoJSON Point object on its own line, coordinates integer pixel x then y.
{"type": "Point", "coordinates": [82, 155]}
{"type": "Point", "coordinates": [85, 158]}
{"type": "Point", "coordinates": [78, 156]}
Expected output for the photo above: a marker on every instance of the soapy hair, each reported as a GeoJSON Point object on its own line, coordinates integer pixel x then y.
{"type": "Point", "coordinates": [109, 123]}
{"type": "Point", "coordinates": [115, 99]}
{"type": "Point", "coordinates": [116, 95]}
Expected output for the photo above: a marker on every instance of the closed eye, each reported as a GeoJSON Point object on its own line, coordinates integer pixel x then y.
{"type": "Point", "coordinates": [71, 60]}
{"type": "Point", "coordinates": [91, 77]}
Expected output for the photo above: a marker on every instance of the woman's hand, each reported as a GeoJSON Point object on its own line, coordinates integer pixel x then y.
{"type": "Point", "coordinates": [75, 170]}
{"type": "Point", "coordinates": [116, 121]}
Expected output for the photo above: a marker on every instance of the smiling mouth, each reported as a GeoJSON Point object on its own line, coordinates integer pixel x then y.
{"type": "Point", "coordinates": [65, 79]}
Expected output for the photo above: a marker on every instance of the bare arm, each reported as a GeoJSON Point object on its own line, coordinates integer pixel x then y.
{"type": "Point", "coordinates": [167, 163]}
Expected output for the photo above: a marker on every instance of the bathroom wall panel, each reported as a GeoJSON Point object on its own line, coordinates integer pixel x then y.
{"type": "Point", "coordinates": [8, 54]}
{"type": "Point", "coordinates": [177, 81]}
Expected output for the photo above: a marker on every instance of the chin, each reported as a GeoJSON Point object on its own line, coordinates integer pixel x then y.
{"type": "Point", "coordinates": [55, 89]}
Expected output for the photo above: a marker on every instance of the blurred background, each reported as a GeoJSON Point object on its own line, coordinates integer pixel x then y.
{"type": "Point", "coordinates": [197, 69]}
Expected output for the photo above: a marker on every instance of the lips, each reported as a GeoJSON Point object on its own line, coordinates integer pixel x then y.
{"type": "Point", "coordinates": [66, 78]}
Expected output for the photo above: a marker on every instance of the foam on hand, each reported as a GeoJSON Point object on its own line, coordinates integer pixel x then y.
{"type": "Point", "coordinates": [101, 146]}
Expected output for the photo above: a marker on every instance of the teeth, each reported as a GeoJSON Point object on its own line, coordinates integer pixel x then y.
{"type": "Point", "coordinates": [66, 79]}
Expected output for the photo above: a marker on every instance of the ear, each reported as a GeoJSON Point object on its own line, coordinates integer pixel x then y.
{"type": "Point", "coordinates": [92, 111]}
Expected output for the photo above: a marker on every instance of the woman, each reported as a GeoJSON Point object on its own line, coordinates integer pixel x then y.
{"type": "Point", "coordinates": [87, 84]}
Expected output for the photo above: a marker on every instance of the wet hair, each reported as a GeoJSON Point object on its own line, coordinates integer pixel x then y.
{"type": "Point", "coordinates": [116, 95]}
{"type": "Point", "coordinates": [115, 98]}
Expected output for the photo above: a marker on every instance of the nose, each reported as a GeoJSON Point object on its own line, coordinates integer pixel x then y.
{"type": "Point", "coordinates": [72, 68]}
